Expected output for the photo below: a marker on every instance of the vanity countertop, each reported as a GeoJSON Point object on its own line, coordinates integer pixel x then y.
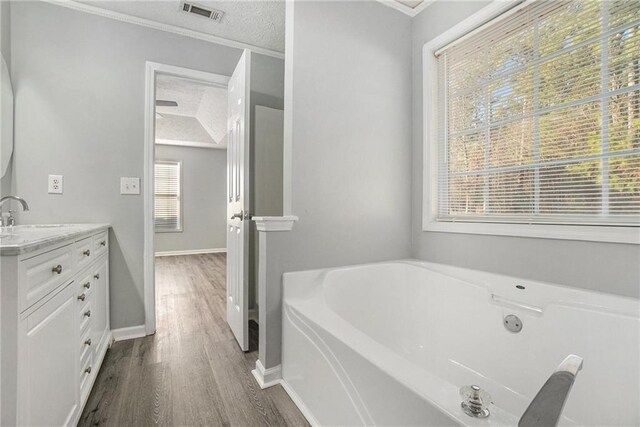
{"type": "Point", "coordinates": [21, 239]}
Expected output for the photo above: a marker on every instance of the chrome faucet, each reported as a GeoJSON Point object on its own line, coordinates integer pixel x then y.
{"type": "Point", "coordinates": [11, 220]}
{"type": "Point", "coordinates": [546, 407]}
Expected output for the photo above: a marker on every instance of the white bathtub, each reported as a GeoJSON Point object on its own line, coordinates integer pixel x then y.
{"type": "Point", "coordinates": [392, 343]}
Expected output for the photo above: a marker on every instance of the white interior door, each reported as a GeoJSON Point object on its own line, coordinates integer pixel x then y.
{"type": "Point", "coordinates": [238, 202]}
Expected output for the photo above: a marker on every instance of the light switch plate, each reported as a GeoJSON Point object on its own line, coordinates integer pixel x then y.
{"type": "Point", "coordinates": [55, 184]}
{"type": "Point", "coordinates": [129, 185]}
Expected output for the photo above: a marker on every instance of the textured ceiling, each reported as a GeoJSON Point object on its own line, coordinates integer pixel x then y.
{"type": "Point", "coordinates": [259, 23]}
{"type": "Point", "coordinates": [201, 114]}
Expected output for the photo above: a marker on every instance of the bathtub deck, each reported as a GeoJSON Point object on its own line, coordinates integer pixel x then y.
{"type": "Point", "coordinates": [191, 372]}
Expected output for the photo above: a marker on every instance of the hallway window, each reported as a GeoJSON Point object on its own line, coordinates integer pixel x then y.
{"type": "Point", "coordinates": [539, 117]}
{"type": "Point", "coordinates": [168, 206]}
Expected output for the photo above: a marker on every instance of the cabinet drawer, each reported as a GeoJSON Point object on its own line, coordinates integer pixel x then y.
{"type": "Point", "coordinates": [84, 252]}
{"type": "Point", "coordinates": [84, 316]}
{"type": "Point", "coordinates": [84, 290]}
{"type": "Point", "coordinates": [85, 284]}
{"type": "Point", "coordinates": [86, 372]}
{"type": "Point", "coordinates": [86, 343]}
{"type": "Point", "coordinates": [101, 243]}
{"type": "Point", "coordinates": [42, 274]}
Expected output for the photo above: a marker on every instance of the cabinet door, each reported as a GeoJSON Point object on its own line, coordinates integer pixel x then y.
{"type": "Point", "coordinates": [100, 304]}
{"type": "Point", "coordinates": [48, 379]}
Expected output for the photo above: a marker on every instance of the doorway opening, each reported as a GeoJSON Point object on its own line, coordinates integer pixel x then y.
{"type": "Point", "coordinates": [196, 243]}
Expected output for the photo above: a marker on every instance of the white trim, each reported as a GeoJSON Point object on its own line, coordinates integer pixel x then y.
{"type": "Point", "coordinates": [298, 402]}
{"type": "Point", "coordinates": [122, 17]}
{"type": "Point", "coordinates": [287, 131]}
{"type": "Point", "coordinates": [128, 333]}
{"type": "Point", "coordinates": [149, 192]}
{"type": "Point", "coordinates": [267, 377]}
{"type": "Point", "coordinates": [192, 252]}
{"type": "Point", "coordinates": [153, 69]}
{"type": "Point", "coordinates": [430, 156]}
{"type": "Point", "coordinates": [194, 144]}
{"type": "Point", "coordinates": [502, 8]}
{"type": "Point", "coordinates": [275, 223]}
{"type": "Point", "coordinates": [410, 11]}
{"type": "Point", "coordinates": [630, 235]}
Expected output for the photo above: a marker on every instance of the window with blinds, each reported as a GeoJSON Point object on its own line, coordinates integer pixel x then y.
{"type": "Point", "coordinates": [539, 118]}
{"type": "Point", "coordinates": [168, 215]}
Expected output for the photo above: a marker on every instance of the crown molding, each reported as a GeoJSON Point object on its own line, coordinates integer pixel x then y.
{"type": "Point", "coordinates": [169, 28]}
{"type": "Point", "coordinates": [394, 4]}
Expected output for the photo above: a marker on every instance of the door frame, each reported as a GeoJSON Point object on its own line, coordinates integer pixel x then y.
{"type": "Point", "coordinates": [153, 69]}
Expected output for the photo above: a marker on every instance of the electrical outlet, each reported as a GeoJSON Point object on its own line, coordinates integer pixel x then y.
{"type": "Point", "coordinates": [55, 184]}
{"type": "Point", "coordinates": [129, 185]}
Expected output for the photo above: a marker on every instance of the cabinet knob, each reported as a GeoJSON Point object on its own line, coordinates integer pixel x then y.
{"type": "Point", "coordinates": [82, 296]}
{"type": "Point", "coordinates": [57, 269]}
{"type": "Point", "coordinates": [88, 370]}
{"type": "Point", "coordinates": [103, 243]}
{"type": "Point", "coordinates": [87, 252]}
{"type": "Point", "coordinates": [88, 342]}
{"type": "Point", "coordinates": [87, 285]}
{"type": "Point", "coordinates": [87, 313]}
{"type": "Point", "coordinates": [96, 276]}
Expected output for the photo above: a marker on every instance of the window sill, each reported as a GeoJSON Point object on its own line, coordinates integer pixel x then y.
{"type": "Point", "coordinates": [628, 235]}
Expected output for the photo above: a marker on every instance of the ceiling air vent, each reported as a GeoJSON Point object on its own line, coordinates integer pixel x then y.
{"type": "Point", "coordinates": [191, 8]}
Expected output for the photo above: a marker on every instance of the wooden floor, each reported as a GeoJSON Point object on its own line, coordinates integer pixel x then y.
{"type": "Point", "coordinates": [191, 372]}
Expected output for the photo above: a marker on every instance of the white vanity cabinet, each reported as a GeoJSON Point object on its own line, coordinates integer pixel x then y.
{"type": "Point", "coordinates": [49, 384]}
{"type": "Point", "coordinates": [54, 326]}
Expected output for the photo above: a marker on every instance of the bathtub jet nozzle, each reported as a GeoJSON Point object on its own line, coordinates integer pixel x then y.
{"type": "Point", "coordinates": [476, 401]}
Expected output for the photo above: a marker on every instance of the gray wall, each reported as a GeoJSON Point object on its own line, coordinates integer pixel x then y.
{"type": "Point", "coordinates": [351, 134]}
{"type": "Point", "coordinates": [267, 89]}
{"type": "Point", "coordinates": [603, 267]}
{"type": "Point", "coordinates": [5, 31]}
{"type": "Point", "coordinates": [79, 81]}
{"type": "Point", "coordinates": [5, 48]}
{"type": "Point", "coordinates": [204, 194]}
{"type": "Point", "coordinates": [351, 142]}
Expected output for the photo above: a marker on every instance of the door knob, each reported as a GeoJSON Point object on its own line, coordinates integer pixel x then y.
{"type": "Point", "coordinates": [239, 215]}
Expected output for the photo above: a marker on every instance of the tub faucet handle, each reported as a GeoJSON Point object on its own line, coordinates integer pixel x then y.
{"type": "Point", "coordinates": [475, 401]}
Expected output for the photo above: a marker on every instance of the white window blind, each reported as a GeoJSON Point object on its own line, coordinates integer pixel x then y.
{"type": "Point", "coordinates": [539, 117]}
{"type": "Point", "coordinates": [167, 196]}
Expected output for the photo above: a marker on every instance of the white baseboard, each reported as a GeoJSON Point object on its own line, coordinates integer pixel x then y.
{"type": "Point", "coordinates": [128, 333]}
{"type": "Point", "coordinates": [192, 252]}
{"type": "Point", "coordinates": [298, 402]}
{"type": "Point", "coordinates": [273, 376]}
{"type": "Point", "coordinates": [267, 377]}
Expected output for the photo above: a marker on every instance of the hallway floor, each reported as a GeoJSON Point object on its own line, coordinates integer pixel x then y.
{"type": "Point", "coordinates": [191, 372]}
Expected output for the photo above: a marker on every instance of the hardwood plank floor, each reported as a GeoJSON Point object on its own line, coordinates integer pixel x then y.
{"type": "Point", "coordinates": [191, 372]}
